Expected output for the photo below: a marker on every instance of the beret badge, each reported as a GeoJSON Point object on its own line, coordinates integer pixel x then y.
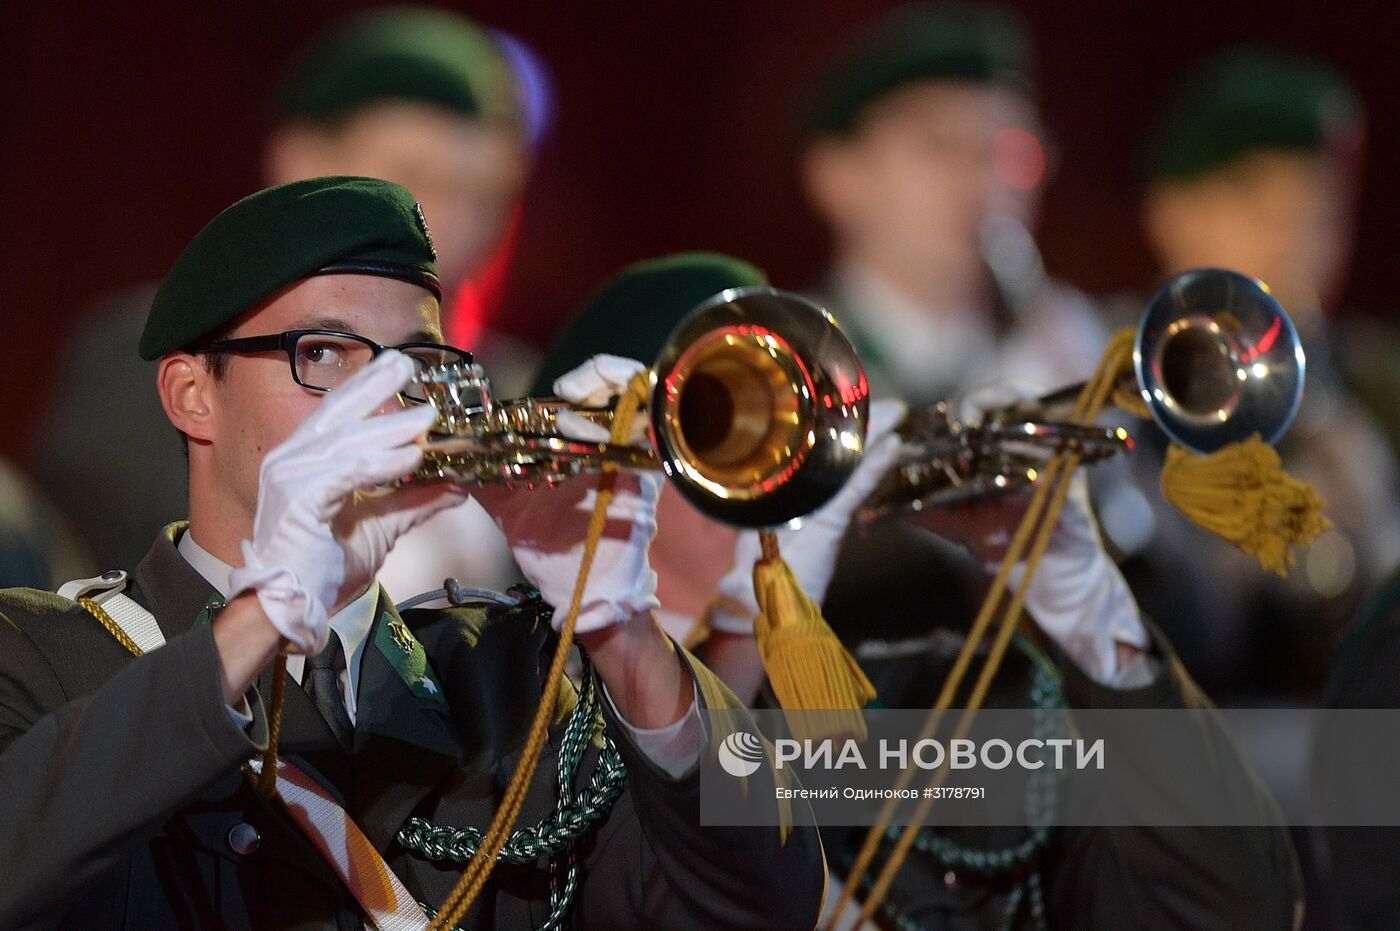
{"type": "Point", "coordinates": [423, 225]}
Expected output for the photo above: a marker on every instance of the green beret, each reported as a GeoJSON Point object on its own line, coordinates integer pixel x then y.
{"type": "Point", "coordinates": [632, 314]}
{"type": "Point", "coordinates": [279, 236]}
{"type": "Point", "coordinates": [973, 42]}
{"type": "Point", "coordinates": [1247, 99]}
{"type": "Point", "coordinates": [402, 53]}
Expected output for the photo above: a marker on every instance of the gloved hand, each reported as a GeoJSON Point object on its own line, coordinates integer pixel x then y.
{"type": "Point", "coordinates": [546, 526]}
{"type": "Point", "coordinates": [311, 551]}
{"type": "Point", "coordinates": [594, 384]}
{"type": "Point", "coordinates": [984, 526]}
{"type": "Point", "coordinates": [811, 549]}
{"type": "Point", "coordinates": [1077, 596]}
{"type": "Point", "coordinates": [1081, 600]}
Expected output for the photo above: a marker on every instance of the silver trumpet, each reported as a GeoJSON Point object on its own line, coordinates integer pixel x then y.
{"type": "Point", "coordinates": [758, 408]}
{"type": "Point", "coordinates": [757, 413]}
{"type": "Point", "coordinates": [1216, 360]}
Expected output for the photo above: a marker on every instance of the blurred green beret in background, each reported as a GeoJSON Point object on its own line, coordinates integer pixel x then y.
{"type": "Point", "coordinates": [402, 53]}
{"type": "Point", "coordinates": [634, 311]}
{"type": "Point", "coordinates": [277, 237]}
{"type": "Point", "coordinates": [956, 41]}
{"type": "Point", "coordinates": [1248, 99]}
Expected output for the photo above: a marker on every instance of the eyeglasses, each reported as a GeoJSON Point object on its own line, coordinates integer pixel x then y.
{"type": "Point", "coordinates": [323, 360]}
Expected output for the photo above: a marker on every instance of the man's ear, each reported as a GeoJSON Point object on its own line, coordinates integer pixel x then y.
{"type": "Point", "coordinates": [186, 390]}
{"type": "Point", "coordinates": [296, 151]}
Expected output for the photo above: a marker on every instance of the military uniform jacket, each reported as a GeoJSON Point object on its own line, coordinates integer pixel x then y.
{"type": "Point", "coordinates": [120, 782]}
{"type": "Point", "coordinates": [1147, 878]}
{"type": "Point", "coordinates": [1360, 861]}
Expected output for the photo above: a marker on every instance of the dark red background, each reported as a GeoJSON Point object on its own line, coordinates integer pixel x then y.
{"type": "Point", "coordinates": [127, 126]}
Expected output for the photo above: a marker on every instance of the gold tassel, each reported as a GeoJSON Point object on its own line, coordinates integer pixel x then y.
{"type": "Point", "coordinates": [811, 672]}
{"type": "Point", "coordinates": [1241, 492]}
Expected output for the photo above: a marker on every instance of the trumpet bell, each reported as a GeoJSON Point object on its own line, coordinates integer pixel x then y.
{"type": "Point", "coordinates": [1217, 360]}
{"type": "Point", "coordinates": [759, 407]}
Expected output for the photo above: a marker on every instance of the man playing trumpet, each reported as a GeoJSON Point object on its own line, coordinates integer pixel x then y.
{"type": "Point", "coordinates": [1087, 638]}
{"type": "Point", "coordinates": [125, 716]}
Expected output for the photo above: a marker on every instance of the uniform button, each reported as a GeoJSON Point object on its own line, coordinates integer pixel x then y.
{"type": "Point", "coordinates": [243, 839]}
{"type": "Point", "coordinates": [950, 879]}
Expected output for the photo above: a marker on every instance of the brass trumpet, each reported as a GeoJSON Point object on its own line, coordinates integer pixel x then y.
{"type": "Point", "coordinates": [1216, 359]}
{"type": "Point", "coordinates": [757, 413]}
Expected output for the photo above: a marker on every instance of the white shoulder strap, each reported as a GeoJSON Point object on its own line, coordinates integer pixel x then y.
{"type": "Point", "coordinates": [95, 587]}
{"type": "Point", "coordinates": [386, 902]}
{"type": "Point", "coordinates": [107, 590]}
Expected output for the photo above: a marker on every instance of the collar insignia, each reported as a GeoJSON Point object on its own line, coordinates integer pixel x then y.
{"type": "Point", "coordinates": [211, 610]}
{"type": "Point", "coordinates": [396, 643]}
{"type": "Point", "coordinates": [403, 639]}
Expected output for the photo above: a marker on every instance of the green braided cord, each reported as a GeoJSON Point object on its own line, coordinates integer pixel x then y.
{"type": "Point", "coordinates": [548, 838]}
{"type": "Point", "coordinates": [555, 836]}
{"type": "Point", "coordinates": [1013, 907]}
{"type": "Point", "coordinates": [1049, 704]}
{"type": "Point", "coordinates": [576, 733]}
{"type": "Point", "coordinates": [1038, 916]}
{"type": "Point", "coordinates": [1032, 887]}
{"type": "Point", "coordinates": [1048, 701]}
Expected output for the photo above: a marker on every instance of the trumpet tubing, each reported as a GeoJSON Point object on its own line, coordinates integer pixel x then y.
{"type": "Point", "coordinates": [1215, 360]}
{"type": "Point", "coordinates": [757, 415]}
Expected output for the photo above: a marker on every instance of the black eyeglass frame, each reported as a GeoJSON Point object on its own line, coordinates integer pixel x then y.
{"type": "Point", "coordinates": [287, 340]}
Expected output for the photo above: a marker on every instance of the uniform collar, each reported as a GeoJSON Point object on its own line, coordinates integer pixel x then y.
{"type": "Point", "coordinates": [351, 623]}
{"type": "Point", "coordinates": [405, 741]}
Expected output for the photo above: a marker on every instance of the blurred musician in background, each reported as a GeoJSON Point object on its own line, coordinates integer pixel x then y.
{"type": "Point", "coordinates": [1253, 165]}
{"type": "Point", "coordinates": [925, 154]}
{"type": "Point", "coordinates": [1093, 643]}
{"type": "Point", "coordinates": [425, 98]}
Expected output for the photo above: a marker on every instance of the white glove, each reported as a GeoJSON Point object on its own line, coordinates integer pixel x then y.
{"type": "Point", "coordinates": [546, 526]}
{"type": "Point", "coordinates": [594, 384]}
{"type": "Point", "coordinates": [296, 561]}
{"type": "Point", "coordinates": [811, 549]}
{"type": "Point", "coordinates": [1078, 596]}
{"type": "Point", "coordinates": [1080, 599]}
